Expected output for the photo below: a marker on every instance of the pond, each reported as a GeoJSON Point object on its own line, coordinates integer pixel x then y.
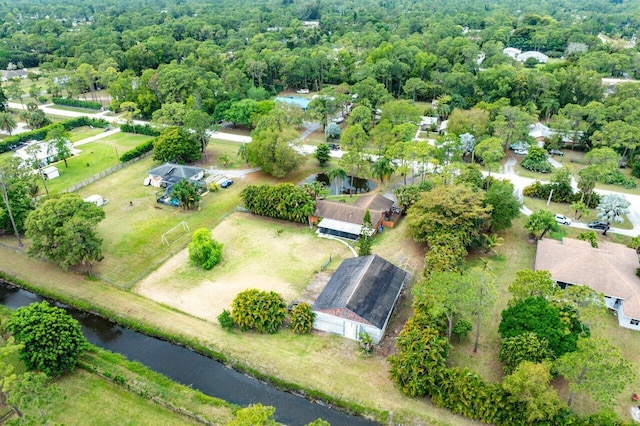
{"type": "Point", "coordinates": [188, 367]}
{"type": "Point", "coordinates": [360, 186]}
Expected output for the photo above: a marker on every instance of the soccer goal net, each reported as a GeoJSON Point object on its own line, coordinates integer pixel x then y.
{"type": "Point", "coordinates": [175, 233]}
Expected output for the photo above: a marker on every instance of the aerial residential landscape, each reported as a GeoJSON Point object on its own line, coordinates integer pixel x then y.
{"type": "Point", "coordinates": [313, 212]}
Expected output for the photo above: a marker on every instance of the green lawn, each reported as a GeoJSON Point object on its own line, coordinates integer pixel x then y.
{"type": "Point", "coordinates": [135, 222]}
{"type": "Point", "coordinates": [83, 132]}
{"type": "Point", "coordinates": [75, 109]}
{"type": "Point", "coordinates": [93, 158]}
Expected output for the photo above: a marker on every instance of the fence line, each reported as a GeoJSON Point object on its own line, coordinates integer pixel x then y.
{"type": "Point", "coordinates": [104, 173]}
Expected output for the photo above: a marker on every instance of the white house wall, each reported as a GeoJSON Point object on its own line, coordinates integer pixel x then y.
{"type": "Point", "coordinates": [344, 327]}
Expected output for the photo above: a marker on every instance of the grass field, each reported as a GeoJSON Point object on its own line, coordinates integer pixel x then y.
{"type": "Point", "coordinates": [93, 158]}
{"type": "Point", "coordinates": [81, 392]}
{"type": "Point", "coordinates": [83, 132]}
{"type": "Point", "coordinates": [87, 111]}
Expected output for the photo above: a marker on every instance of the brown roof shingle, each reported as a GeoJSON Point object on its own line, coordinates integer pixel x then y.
{"type": "Point", "coordinates": [609, 269]}
{"type": "Point", "coordinates": [354, 213]}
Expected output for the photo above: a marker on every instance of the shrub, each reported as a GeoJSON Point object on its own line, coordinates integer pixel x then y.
{"type": "Point", "coordinates": [138, 151]}
{"type": "Point", "coordinates": [302, 317]}
{"type": "Point", "coordinates": [77, 103]}
{"type": "Point", "coordinates": [52, 339]}
{"type": "Point", "coordinates": [365, 343]}
{"type": "Point", "coordinates": [259, 310]}
{"type": "Point", "coordinates": [462, 328]}
{"type": "Point", "coordinates": [140, 130]}
{"type": "Point", "coordinates": [524, 347]}
{"type": "Point", "coordinates": [589, 236]}
{"type": "Point", "coordinates": [537, 166]}
{"type": "Point", "coordinates": [225, 320]}
{"type": "Point", "coordinates": [213, 187]}
{"type": "Point", "coordinates": [204, 251]}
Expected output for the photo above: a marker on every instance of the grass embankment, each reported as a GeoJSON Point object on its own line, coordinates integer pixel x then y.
{"type": "Point", "coordinates": [104, 380]}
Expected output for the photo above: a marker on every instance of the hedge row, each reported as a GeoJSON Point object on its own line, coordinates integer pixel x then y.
{"type": "Point", "coordinates": [138, 151]}
{"type": "Point", "coordinates": [7, 144]}
{"type": "Point", "coordinates": [77, 103]}
{"type": "Point", "coordinates": [140, 130]}
{"type": "Point", "coordinates": [283, 201]}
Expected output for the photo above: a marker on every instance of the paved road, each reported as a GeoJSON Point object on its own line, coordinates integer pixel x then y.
{"type": "Point", "coordinates": [508, 172]}
{"type": "Point", "coordinates": [520, 182]}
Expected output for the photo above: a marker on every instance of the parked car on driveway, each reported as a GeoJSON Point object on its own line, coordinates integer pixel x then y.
{"type": "Point", "coordinates": [555, 152]}
{"type": "Point", "coordinates": [521, 151]}
{"type": "Point", "coordinates": [227, 183]}
{"type": "Point", "coordinates": [598, 225]}
{"type": "Point", "coordinates": [563, 220]}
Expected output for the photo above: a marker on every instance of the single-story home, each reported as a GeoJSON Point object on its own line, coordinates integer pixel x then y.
{"type": "Point", "coordinates": [538, 56]}
{"type": "Point", "coordinates": [511, 51]}
{"type": "Point", "coordinates": [360, 297]}
{"type": "Point", "coordinates": [609, 269]}
{"type": "Point", "coordinates": [169, 174]}
{"type": "Point", "coordinates": [11, 74]}
{"type": "Point", "coordinates": [345, 219]}
{"type": "Point", "coordinates": [42, 151]}
{"type": "Point", "coordinates": [428, 123]}
{"type": "Point", "coordinates": [540, 132]}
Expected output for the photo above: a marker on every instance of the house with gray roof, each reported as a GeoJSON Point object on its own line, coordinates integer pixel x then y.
{"type": "Point", "coordinates": [360, 298]}
{"type": "Point", "coordinates": [169, 174]}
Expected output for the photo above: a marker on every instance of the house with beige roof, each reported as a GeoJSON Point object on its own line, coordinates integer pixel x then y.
{"type": "Point", "coordinates": [344, 220]}
{"type": "Point", "coordinates": [609, 269]}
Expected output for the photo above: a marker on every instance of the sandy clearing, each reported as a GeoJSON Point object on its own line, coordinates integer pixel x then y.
{"type": "Point", "coordinates": [258, 253]}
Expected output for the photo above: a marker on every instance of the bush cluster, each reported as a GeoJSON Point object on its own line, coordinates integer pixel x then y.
{"type": "Point", "coordinates": [561, 193]}
{"type": "Point", "coordinates": [263, 311]}
{"type": "Point", "coordinates": [615, 177]}
{"type": "Point", "coordinates": [539, 166]}
{"type": "Point", "coordinates": [283, 201]}
{"type": "Point", "coordinates": [76, 103]}
{"type": "Point", "coordinates": [138, 151]}
{"type": "Point", "coordinates": [140, 130]}
{"type": "Point", "coordinates": [7, 144]}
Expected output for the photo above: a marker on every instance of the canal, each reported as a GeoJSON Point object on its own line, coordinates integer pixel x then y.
{"type": "Point", "coordinates": [190, 368]}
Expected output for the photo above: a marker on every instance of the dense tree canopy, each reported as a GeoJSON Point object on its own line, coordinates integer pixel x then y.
{"type": "Point", "coordinates": [558, 326]}
{"type": "Point", "coordinates": [52, 339]}
{"type": "Point", "coordinates": [63, 230]}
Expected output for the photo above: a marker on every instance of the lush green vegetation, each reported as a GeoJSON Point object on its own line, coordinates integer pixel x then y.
{"type": "Point", "coordinates": [76, 103]}
{"type": "Point", "coordinates": [184, 64]}
{"type": "Point", "coordinates": [284, 201]}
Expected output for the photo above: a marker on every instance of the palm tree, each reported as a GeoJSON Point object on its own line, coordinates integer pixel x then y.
{"type": "Point", "coordinates": [7, 122]}
{"type": "Point", "coordinates": [337, 175]}
{"type": "Point", "coordinates": [243, 154]}
{"type": "Point", "coordinates": [382, 168]}
{"type": "Point", "coordinates": [491, 241]}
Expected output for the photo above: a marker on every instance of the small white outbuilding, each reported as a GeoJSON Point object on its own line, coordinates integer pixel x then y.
{"type": "Point", "coordinates": [96, 199]}
{"type": "Point", "coordinates": [50, 172]}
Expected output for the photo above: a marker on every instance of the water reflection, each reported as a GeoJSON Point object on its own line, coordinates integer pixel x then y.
{"type": "Point", "coordinates": [337, 187]}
